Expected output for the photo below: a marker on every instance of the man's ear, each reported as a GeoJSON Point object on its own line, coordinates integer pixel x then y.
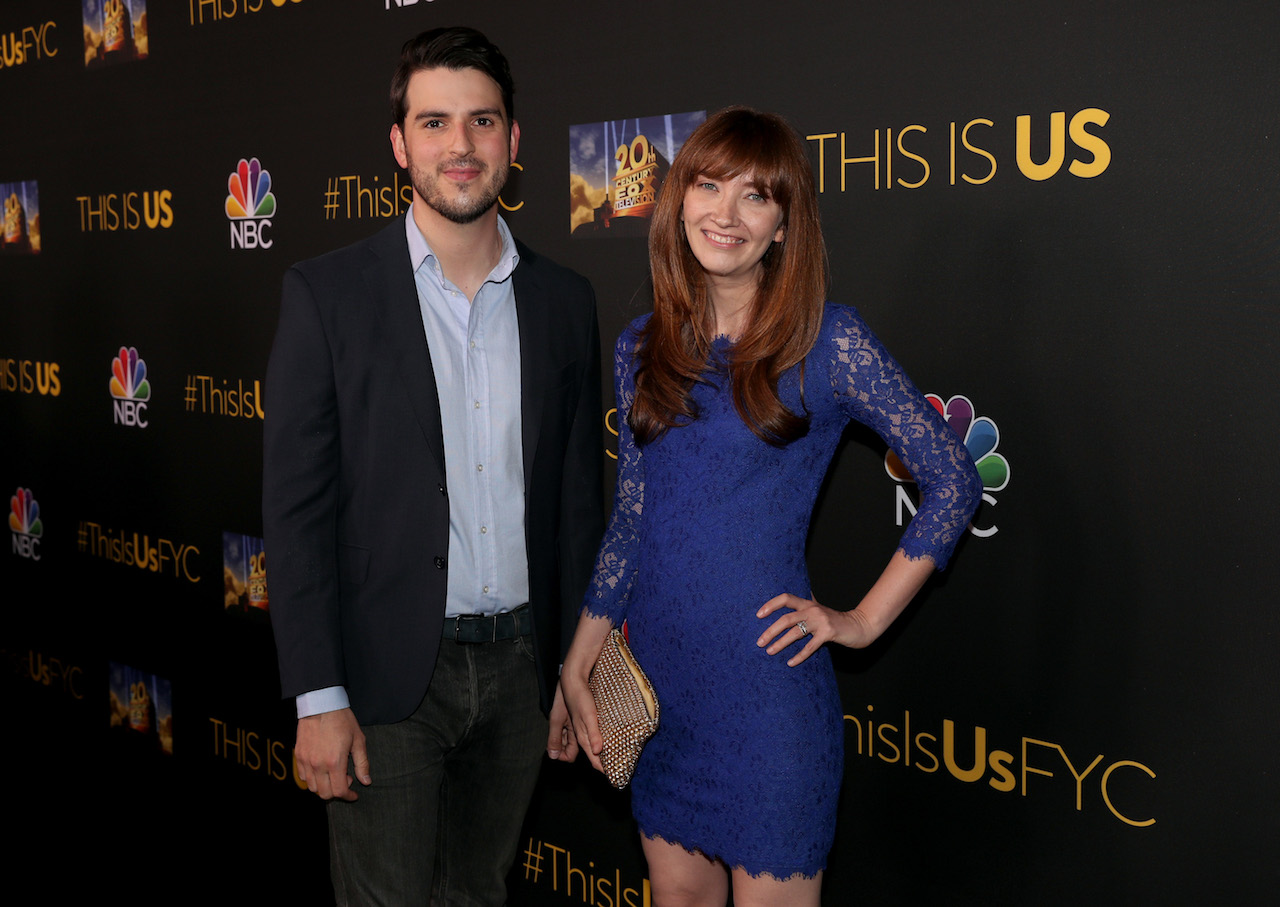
{"type": "Point", "coordinates": [397, 145]}
{"type": "Point", "coordinates": [515, 140]}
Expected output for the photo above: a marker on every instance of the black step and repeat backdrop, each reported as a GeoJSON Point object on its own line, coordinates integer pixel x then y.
{"type": "Point", "coordinates": [1061, 218]}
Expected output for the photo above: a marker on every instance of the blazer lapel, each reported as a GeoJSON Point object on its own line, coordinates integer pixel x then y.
{"type": "Point", "coordinates": [534, 342]}
{"type": "Point", "coordinates": [395, 299]}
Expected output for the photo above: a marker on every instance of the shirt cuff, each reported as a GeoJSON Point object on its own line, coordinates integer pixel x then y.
{"type": "Point", "coordinates": [329, 699]}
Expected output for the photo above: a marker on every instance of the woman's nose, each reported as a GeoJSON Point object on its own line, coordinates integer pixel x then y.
{"type": "Point", "coordinates": [726, 210]}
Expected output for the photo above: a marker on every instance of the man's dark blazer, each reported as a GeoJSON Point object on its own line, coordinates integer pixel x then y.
{"type": "Point", "coordinates": [355, 506]}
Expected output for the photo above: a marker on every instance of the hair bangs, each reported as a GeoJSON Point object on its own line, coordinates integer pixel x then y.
{"type": "Point", "coordinates": [739, 143]}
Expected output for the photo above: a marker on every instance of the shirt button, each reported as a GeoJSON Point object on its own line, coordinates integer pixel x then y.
{"type": "Point", "coordinates": [484, 530]}
{"type": "Point", "coordinates": [477, 404]}
{"type": "Point", "coordinates": [486, 590]}
{"type": "Point", "coordinates": [473, 344]}
{"type": "Point", "coordinates": [439, 562]}
{"type": "Point", "coordinates": [479, 467]}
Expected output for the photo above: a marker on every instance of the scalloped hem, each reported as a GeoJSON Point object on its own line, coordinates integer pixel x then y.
{"type": "Point", "coordinates": [589, 611]}
{"type": "Point", "coordinates": [919, 552]}
{"type": "Point", "coordinates": [772, 871]}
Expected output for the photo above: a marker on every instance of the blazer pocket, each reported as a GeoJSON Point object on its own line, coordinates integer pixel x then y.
{"type": "Point", "coordinates": [353, 564]}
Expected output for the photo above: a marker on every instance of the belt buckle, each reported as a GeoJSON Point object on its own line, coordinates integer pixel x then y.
{"type": "Point", "coordinates": [471, 619]}
{"type": "Point", "coordinates": [457, 626]}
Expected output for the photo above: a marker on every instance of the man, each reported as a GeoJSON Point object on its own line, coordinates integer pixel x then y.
{"type": "Point", "coordinates": [431, 502]}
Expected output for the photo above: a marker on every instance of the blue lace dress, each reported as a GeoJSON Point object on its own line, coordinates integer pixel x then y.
{"type": "Point", "coordinates": [710, 523]}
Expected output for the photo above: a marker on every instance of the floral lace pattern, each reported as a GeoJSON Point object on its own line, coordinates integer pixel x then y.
{"type": "Point", "coordinates": [709, 523]}
{"type": "Point", "coordinates": [873, 389]}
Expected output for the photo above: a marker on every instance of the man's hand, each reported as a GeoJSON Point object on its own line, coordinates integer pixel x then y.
{"type": "Point", "coordinates": [324, 742]}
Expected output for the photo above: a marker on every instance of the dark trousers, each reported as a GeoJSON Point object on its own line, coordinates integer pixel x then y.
{"type": "Point", "coordinates": [451, 783]}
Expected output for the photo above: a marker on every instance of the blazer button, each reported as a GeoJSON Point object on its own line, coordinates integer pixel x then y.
{"type": "Point", "coordinates": [439, 563]}
{"type": "Point", "coordinates": [442, 491]}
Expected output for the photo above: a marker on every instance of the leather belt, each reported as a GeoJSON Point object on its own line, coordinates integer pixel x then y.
{"type": "Point", "coordinates": [489, 627]}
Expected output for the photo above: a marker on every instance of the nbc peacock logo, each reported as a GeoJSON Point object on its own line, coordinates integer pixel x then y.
{"type": "Point", "coordinates": [981, 437]}
{"type": "Point", "coordinates": [130, 389]}
{"type": "Point", "coordinates": [249, 205]}
{"type": "Point", "coordinates": [24, 522]}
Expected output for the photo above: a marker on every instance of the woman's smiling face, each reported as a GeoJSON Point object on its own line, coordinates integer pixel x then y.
{"type": "Point", "coordinates": [730, 224]}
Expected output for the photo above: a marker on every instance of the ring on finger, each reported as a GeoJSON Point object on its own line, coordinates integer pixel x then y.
{"type": "Point", "coordinates": [803, 628]}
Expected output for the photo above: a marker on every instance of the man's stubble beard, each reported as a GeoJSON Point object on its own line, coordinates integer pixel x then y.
{"type": "Point", "coordinates": [469, 206]}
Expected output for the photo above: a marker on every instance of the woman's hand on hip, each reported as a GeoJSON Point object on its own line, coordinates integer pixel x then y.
{"type": "Point", "coordinates": [809, 619]}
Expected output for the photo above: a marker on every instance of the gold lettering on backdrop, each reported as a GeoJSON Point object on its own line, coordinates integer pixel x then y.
{"type": "Point", "coordinates": [873, 159]}
{"type": "Point", "coordinates": [200, 11]}
{"type": "Point", "coordinates": [1057, 147]}
{"type": "Point", "coordinates": [207, 394]}
{"type": "Point", "coordinates": [1106, 797]}
{"type": "Point", "coordinates": [54, 672]}
{"type": "Point", "coordinates": [821, 139]}
{"type": "Point", "coordinates": [896, 743]}
{"type": "Point", "coordinates": [27, 376]}
{"type": "Point", "coordinates": [165, 557]}
{"type": "Point", "coordinates": [353, 197]}
{"type": "Point", "coordinates": [979, 752]}
{"type": "Point", "coordinates": [964, 140]}
{"type": "Point", "coordinates": [1089, 142]}
{"type": "Point", "coordinates": [253, 751]}
{"type": "Point", "coordinates": [31, 43]}
{"type": "Point", "coordinates": [515, 165]}
{"type": "Point", "coordinates": [611, 423]}
{"type": "Point", "coordinates": [126, 210]}
{"type": "Point", "coordinates": [970, 158]}
{"type": "Point", "coordinates": [915, 157]}
{"type": "Point", "coordinates": [551, 866]}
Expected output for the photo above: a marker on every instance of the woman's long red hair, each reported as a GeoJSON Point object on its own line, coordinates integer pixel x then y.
{"type": "Point", "coordinates": [784, 316]}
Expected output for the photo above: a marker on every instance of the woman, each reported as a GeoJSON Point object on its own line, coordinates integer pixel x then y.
{"type": "Point", "coordinates": [732, 397]}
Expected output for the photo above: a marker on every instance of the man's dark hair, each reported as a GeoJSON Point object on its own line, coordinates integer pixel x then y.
{"type": "Point", "coordinates": [452, 48]}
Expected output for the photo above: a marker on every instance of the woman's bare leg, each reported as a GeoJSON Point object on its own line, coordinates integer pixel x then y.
{"type": "Point", "coordinates": [683, 879]}
{"type": "Point", "coordinates": [766, 891]}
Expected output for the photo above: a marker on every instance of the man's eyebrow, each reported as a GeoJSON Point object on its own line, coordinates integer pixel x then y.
{"type": "Point", "coordinates": [495, 112]}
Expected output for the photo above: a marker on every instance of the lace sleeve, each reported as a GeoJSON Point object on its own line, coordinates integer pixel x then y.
{"type": "Point", "coordinates": [872, 388]}
{"type": "Point", "coordinates": [610, 587]}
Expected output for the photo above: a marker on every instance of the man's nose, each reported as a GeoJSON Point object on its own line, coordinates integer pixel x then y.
{"type": "Point", "coordinates": [462, 144]}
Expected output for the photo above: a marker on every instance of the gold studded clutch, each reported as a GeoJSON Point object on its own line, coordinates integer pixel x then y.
{"type": "Point", "coordinates": [626, 708]}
